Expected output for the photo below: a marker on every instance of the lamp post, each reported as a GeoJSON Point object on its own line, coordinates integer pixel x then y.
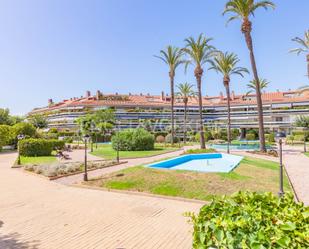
{"type": "Point", "coordinates": [281, 191]}
{"type": "Point", "coordinates": [19, 137]}
{"type": "Point", "coordinates": [117, 157]}
{"type": "Point", "coordinates": [86, 140]}
{"type": "Point", "coordinates": [305, 149]}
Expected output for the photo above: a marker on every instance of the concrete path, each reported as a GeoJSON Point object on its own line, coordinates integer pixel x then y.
{"type": "Point", "coordinates": [130, 162]}
{"type": "Point", "coordinates": [36, 213]}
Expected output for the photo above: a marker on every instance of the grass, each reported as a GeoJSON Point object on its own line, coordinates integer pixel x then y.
{"type": "Point", "coordinates": [37, 160]}
{"type": "Point", "coordinates": [252, 174]}
{"type": "Point", "coordinates": [307, 154]}
{"type": "Point", "coordinates": [106, 151]}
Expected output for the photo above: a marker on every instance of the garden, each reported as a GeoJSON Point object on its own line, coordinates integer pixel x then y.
{"type": "Point", "coordinates": [251, 174]}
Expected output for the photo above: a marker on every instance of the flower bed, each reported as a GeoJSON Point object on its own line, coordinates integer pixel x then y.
{"type": "Point", "coordinates": [58, 169]}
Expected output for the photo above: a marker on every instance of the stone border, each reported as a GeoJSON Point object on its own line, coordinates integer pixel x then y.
{"type": "Point", "coordinates": [127, 192]}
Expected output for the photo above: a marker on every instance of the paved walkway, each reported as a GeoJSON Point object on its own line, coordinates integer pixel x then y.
{"type": "Point", "coordinates": [35, 213]}
{"type": "Point", "coordinates": [130, 162]}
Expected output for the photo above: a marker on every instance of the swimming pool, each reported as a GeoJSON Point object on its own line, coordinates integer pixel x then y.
{"type": "Point", "coordinates": [214, 162]}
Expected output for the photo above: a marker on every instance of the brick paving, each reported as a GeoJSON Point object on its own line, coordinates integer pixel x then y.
{"type": "Point", "coordinates": [36, 213]}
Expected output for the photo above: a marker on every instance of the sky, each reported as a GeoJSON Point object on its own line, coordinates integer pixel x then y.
{"type": "Point", "coordinates": [60, 48]}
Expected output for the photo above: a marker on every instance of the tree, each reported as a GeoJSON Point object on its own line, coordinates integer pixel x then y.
{"type": "Point", "coordinates": [5, 135]}
{"type": "Point", "coordinates": [4, 116]}
{"type": "Point", "coordinates": [302, 121]}
{"type": "Point", "coordinates": [243, 9]}
{"type": "Point", "coordinates": [226, 64]}
{"type": "Point", "coordinates": [304, 47]}
{"type": "Point", "coordinates": [38, 120]}
{"type": "Point", "coordinates": [252, 85]}
{"type": "Point", "coordinates": [173, 57]}
{"type": "Point", "coordinates": [185, 92]}
{"type": "Point", "coordinates": [200, 52]}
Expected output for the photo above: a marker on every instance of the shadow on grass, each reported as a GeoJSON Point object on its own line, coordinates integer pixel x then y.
{"type": "Point", "coordinates": [12, 241]}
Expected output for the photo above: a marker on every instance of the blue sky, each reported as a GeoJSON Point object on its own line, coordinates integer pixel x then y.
{"type": "Point", "coordinates": [61, 48]}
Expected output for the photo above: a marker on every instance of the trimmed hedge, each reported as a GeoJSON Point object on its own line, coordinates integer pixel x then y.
{"type": "Point", "coordinates": [39, 147]}
{"type": "Point", "coordinates": [133, 140]}
{"type": "Point", "coordinates": [252, 220]}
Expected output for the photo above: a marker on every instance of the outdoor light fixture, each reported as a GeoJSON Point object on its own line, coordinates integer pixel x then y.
{"type": "Point", "coordinates": [86, 139]}
{"type": "Point", "coordinates": [19, 137]}
{"type": "Point", "coordinates": [279, 141]}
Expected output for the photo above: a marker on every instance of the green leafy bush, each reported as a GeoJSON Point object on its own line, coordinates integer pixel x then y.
{"type": "Point", "coordinates": [5, 135]}
{"type": "Point", "coordinates": [24, 128]}
{"type": "Point", "coordinates": [133, 140]}
{"type": "Point", "coordinates": [168, 139]}
{"type": "Point", "coordinates": [207, 135]}
{"type": "Point", "coordinates": [299, 138]}
{"type": "Point", "coordinates": [234, 134]}
{"type": "Point", "coordinates": [305, 134]}
{"type": "Point", "coordinates": [250, 136]}
{"type": "Point", "coordinates": [270, 137]}
{"type": "Point", "coordinates": [252, 220]}
{"type": "Point", "coordinates": [39, 147]}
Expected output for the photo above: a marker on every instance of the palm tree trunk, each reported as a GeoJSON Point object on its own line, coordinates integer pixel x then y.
{"type": "Point", "coordinates": [308, 65]}
{"type": "Point", "coordinates": [200, 102]}
{"type": "Point", "coordinates": [172, 107]}
{"type": "Point", "coordinates": [185, 122]}
{"type": "Point", "coordinates": [246, 29]}
{"type": "Point", "coordinates": [227, 88]}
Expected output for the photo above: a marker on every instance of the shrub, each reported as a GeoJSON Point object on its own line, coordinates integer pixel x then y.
{"type": "Point", "coordinates": [250, 136]}
{"type": "Point", "coordinates": [252, 220]}
{"type": "Point", "coordinates": [302, 133]}
{"type": "Point", "coordinates": [270, 137]}
{"type": "Point", "coordinates": [234, 134]}
{"type": "Point", "coordinates": [207, 135]}
{"type": "Point", "coordinates": [299, 138]}
{"type": "Point", "coordinates": [168, 139]}
{"type": "Point", "coordinates": [25, 129]}
{"type": "Point", "coordinates": [5, 135]}
{"type": "Point", "coordinates": [39, 147]}
{"type": "Point", "coordinates": [133, 140]}
{"type": "Point", "coordinates": [160, 139]}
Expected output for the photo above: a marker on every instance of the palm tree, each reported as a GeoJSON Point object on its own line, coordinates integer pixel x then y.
{"type": "Point", "coordinates": [185, 92]}
{"type": "Point", "coordinates": [173, 57]}
{"type": "Point", "coordinates": [200, 53]}
{"type": "Point", "coordinates": [243, 9]}
{"type": "Point", "coordinates": [252, 85]}
{"type": "Point", "coordinates": [226, 64]}
{"type": "Point", "coordinates": [304, 43]}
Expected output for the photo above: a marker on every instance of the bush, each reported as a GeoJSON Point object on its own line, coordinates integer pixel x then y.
{"type": "Point", "coordinates": [39, 147]}
{"type": "Point", "coordinates": [299, 138]}
{"type": "Point", "coordinates": [305, 134]}
{"type": "Point", "coordinates": [234, 134]}
{"type": "Point", "coordinates": [270, 137]}
{"type": "Point", "coordinates": [5, 135]}
{"type": "Point", "coordinates": [250, 137]}
{"type": "Point", "coordinates": [168, 139]}
{"type": "Point", "coordinates": [252, 220]}
{"type": "Point", "coordinates": [25, 129]}
{"type": "Point", "coordinates": [207, 135]}
{"type": "Point", "coordinates": [133, 140]}
{"type": "Point", "coordinates": [160, 139]}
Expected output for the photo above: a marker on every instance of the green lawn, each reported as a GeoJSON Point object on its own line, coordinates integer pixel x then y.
{"type": "Point", "coordinates": [37, 160]}
{"type": "Point", "coordinates": [307, 154]}
{"type": "Point", "coordinates": [251, 174]}
{"type": "Point", "coordinates": [106, 151]}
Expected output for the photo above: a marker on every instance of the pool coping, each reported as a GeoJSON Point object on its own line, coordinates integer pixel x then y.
{"type": "Point", "coordinates": [151, 165]}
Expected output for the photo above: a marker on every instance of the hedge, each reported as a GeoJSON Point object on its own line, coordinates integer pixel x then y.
{"type": "Point", "coordinates": [250, 136]}
{"type": "Point", "coordinates": [270, 137]}
{"type": "Point", "coordinates": [252, 220]}
{"type": "Point", "coordinates": [133, 140]}
{"type": "Point", "coordinates": [39, 147]}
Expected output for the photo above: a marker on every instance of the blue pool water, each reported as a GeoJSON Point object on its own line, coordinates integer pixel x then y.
{"type": "Point", "coordinates": [216, 162]}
